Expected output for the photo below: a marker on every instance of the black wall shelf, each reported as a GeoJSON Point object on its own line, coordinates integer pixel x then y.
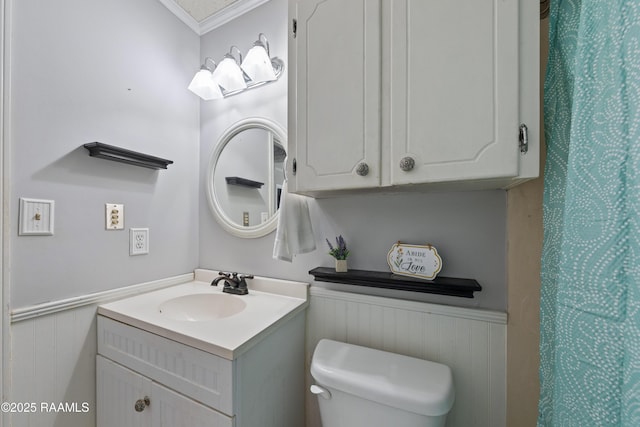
{"type": "Point", "coordinates": [117, 154]}
{"type": "Point", "coordinates": [243, 182]}
{"type": "Point", "coordinates": [378, 279]}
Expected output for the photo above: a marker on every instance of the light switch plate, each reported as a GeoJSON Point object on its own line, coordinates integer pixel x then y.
{"type": "Point", "coordinates": [114, 216]}
{"type": "Point", "coordinates": [36, 217]}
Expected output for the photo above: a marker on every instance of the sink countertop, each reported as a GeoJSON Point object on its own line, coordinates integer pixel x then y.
{"type": "Point", "coordinates": [269, 302]}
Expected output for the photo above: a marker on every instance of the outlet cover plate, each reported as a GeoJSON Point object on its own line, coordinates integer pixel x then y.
{"type": "Point", "coordinates": [138, 241]}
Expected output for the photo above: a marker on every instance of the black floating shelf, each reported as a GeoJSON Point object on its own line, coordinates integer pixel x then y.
{"type": "Point", "coordinates": [243, 182]}
{"type": "Point", "coordinates": [378, 279]}
{"type": "Point", "coordinates": [117, 154]}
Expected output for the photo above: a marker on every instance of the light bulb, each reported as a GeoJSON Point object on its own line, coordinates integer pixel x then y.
{"type": "Point", "coordinates": [229, 75]}
{"type": "Point", "coordinates": [204, 85]}
{"type": "Point", "coordinates": [257, 64]}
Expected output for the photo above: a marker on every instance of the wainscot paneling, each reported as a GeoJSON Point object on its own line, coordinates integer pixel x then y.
{"type": "Point", "coordinates": [54, 360]}
{"type": "Point", "coordinates": [471, 341]}
{"type": "Point", "coordinates": [53, 348]}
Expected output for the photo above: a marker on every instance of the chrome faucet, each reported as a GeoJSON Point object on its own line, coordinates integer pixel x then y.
{"type": "Point", "coordinates": [233, 282]}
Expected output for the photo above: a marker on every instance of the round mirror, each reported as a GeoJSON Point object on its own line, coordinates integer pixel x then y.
{"type": "Point", "coordinates": [245, 177]}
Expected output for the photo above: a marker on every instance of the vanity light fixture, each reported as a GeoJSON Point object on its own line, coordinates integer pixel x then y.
{"type": "Point", "coordinates": [257, 63]}
{"type": "Point", "coordinates": [228, 73]}
{"type": "Point", "coordinates": [203, 83]}
{"type": "Point", "coordinates": [229, 78]}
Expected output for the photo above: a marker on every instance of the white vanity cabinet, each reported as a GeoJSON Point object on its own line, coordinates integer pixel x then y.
{"type": "Point", "coordinates": [395, 92]}
{"type": "Point", "coordinates": [126, 398]}
{"type": "Point", "coordinates": [145, 380]}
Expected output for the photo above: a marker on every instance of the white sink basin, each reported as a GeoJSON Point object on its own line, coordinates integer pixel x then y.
{"type": "Point", "coordinates": [203, 317]}
{"type": "Point", "coordinates": [202, 307]}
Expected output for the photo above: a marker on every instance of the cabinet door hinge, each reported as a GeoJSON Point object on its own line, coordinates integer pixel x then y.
{"type": "Point", "coordinates": [294, 27]}
{"type": "Point", "coordinates": [524, 139]}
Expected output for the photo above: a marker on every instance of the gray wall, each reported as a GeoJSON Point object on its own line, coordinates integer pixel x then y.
{"type": "Point", "coordinates": [116, 72]}
{"type": "Point", "coordinates": [468, 228]}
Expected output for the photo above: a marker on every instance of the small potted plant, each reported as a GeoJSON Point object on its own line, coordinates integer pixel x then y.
{"type": "Point", "coordinates": [340, 253]}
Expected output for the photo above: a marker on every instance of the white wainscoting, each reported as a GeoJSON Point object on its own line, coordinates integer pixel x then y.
{"type": "Point", "coordinates": [471, 341]}
{"type": "Point", "coordinates": [53, 347]}
{"type": "Point", "coordinates": [54, 359]}
{"type": "Point", "coordinates": [54, 350]}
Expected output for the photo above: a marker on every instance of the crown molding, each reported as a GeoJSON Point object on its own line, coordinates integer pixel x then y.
{"type": "Point", "coordinates": [182, 15]}
{"type": "Point", "coordinates": [216, 20]}
{"type": "Point", "coordinates": [229, 13]}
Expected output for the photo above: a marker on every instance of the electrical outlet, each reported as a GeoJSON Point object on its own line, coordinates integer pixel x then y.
{"type": "Point", "coordinates": [114, 216]}
{"type": "Point", "coordinates": [138, 241]}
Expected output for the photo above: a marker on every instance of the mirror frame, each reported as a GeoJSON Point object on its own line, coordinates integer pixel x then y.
{"type": "Point", "coordinates": [225, 222]}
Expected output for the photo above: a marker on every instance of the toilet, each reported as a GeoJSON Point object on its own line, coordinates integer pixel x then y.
{"type": "Point", "coordinates": [362, 387]}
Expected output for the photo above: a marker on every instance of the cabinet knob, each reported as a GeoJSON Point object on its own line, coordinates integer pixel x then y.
{"type": "Point", "coordinates": [407, 163]}
{"type": "Point", "coordinates": [362, 169]}
{"type": "Point", "coordinates": [142, 403]}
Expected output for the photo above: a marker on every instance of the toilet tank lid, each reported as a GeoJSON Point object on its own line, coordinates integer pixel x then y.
{"type": "Point", "coordinates": [403, 382]}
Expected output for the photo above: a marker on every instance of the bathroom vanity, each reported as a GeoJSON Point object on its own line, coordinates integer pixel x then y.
{"type": "Point", "coordinates": [190, 355]}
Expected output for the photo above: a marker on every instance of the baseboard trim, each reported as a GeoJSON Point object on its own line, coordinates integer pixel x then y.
{"type": "Point", "coordinates": [29, 312]}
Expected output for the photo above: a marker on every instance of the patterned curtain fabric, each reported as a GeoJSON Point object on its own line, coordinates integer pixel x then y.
{"type": "Point", "coordinates": [590, 301]}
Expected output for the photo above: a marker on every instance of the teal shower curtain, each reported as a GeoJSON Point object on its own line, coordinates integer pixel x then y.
{"type": "Point", "coordinates": [590, 297]}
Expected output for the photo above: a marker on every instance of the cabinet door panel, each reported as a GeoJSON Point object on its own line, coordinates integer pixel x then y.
{"type": "Point", "coordinates": [118, 389]}
{"type": "Point", "coordinates": [454, 89]}
{"type": "Point", "coordinates": [171, 409]}
{"type": "Point", "coordinates": [338, 94]}
{"type": "Point", "coordinates": [195, 373]}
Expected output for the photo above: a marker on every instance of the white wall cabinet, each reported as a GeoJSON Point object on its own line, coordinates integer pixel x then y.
{"type": "Point", "coordinates": [336, 90]}
{"type": "Point", "coordinates": [395, 92]}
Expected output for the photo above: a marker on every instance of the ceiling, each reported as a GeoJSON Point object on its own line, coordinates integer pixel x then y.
{"type": "Point", "coordinates": [202, 9]}
{"type": "Point", "coordinates": [203, 16]}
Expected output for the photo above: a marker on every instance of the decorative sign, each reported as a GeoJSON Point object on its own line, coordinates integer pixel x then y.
{"type": "Point", "coordinates": [420, 261]}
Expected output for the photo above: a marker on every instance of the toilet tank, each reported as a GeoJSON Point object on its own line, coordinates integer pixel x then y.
{"type": "Point", "coordinates": [360, 386]}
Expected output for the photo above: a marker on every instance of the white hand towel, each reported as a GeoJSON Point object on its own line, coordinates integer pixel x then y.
{"type": "Point", "coordinates": [294, 234]}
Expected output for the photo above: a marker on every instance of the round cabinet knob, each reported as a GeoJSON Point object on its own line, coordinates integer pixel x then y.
{"type": "Point", "coordinates": [407, 163]}
{"type": "Point", "coordinates": [141, 404]}
{"type": "Point", "coordinates": [362, 169]}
